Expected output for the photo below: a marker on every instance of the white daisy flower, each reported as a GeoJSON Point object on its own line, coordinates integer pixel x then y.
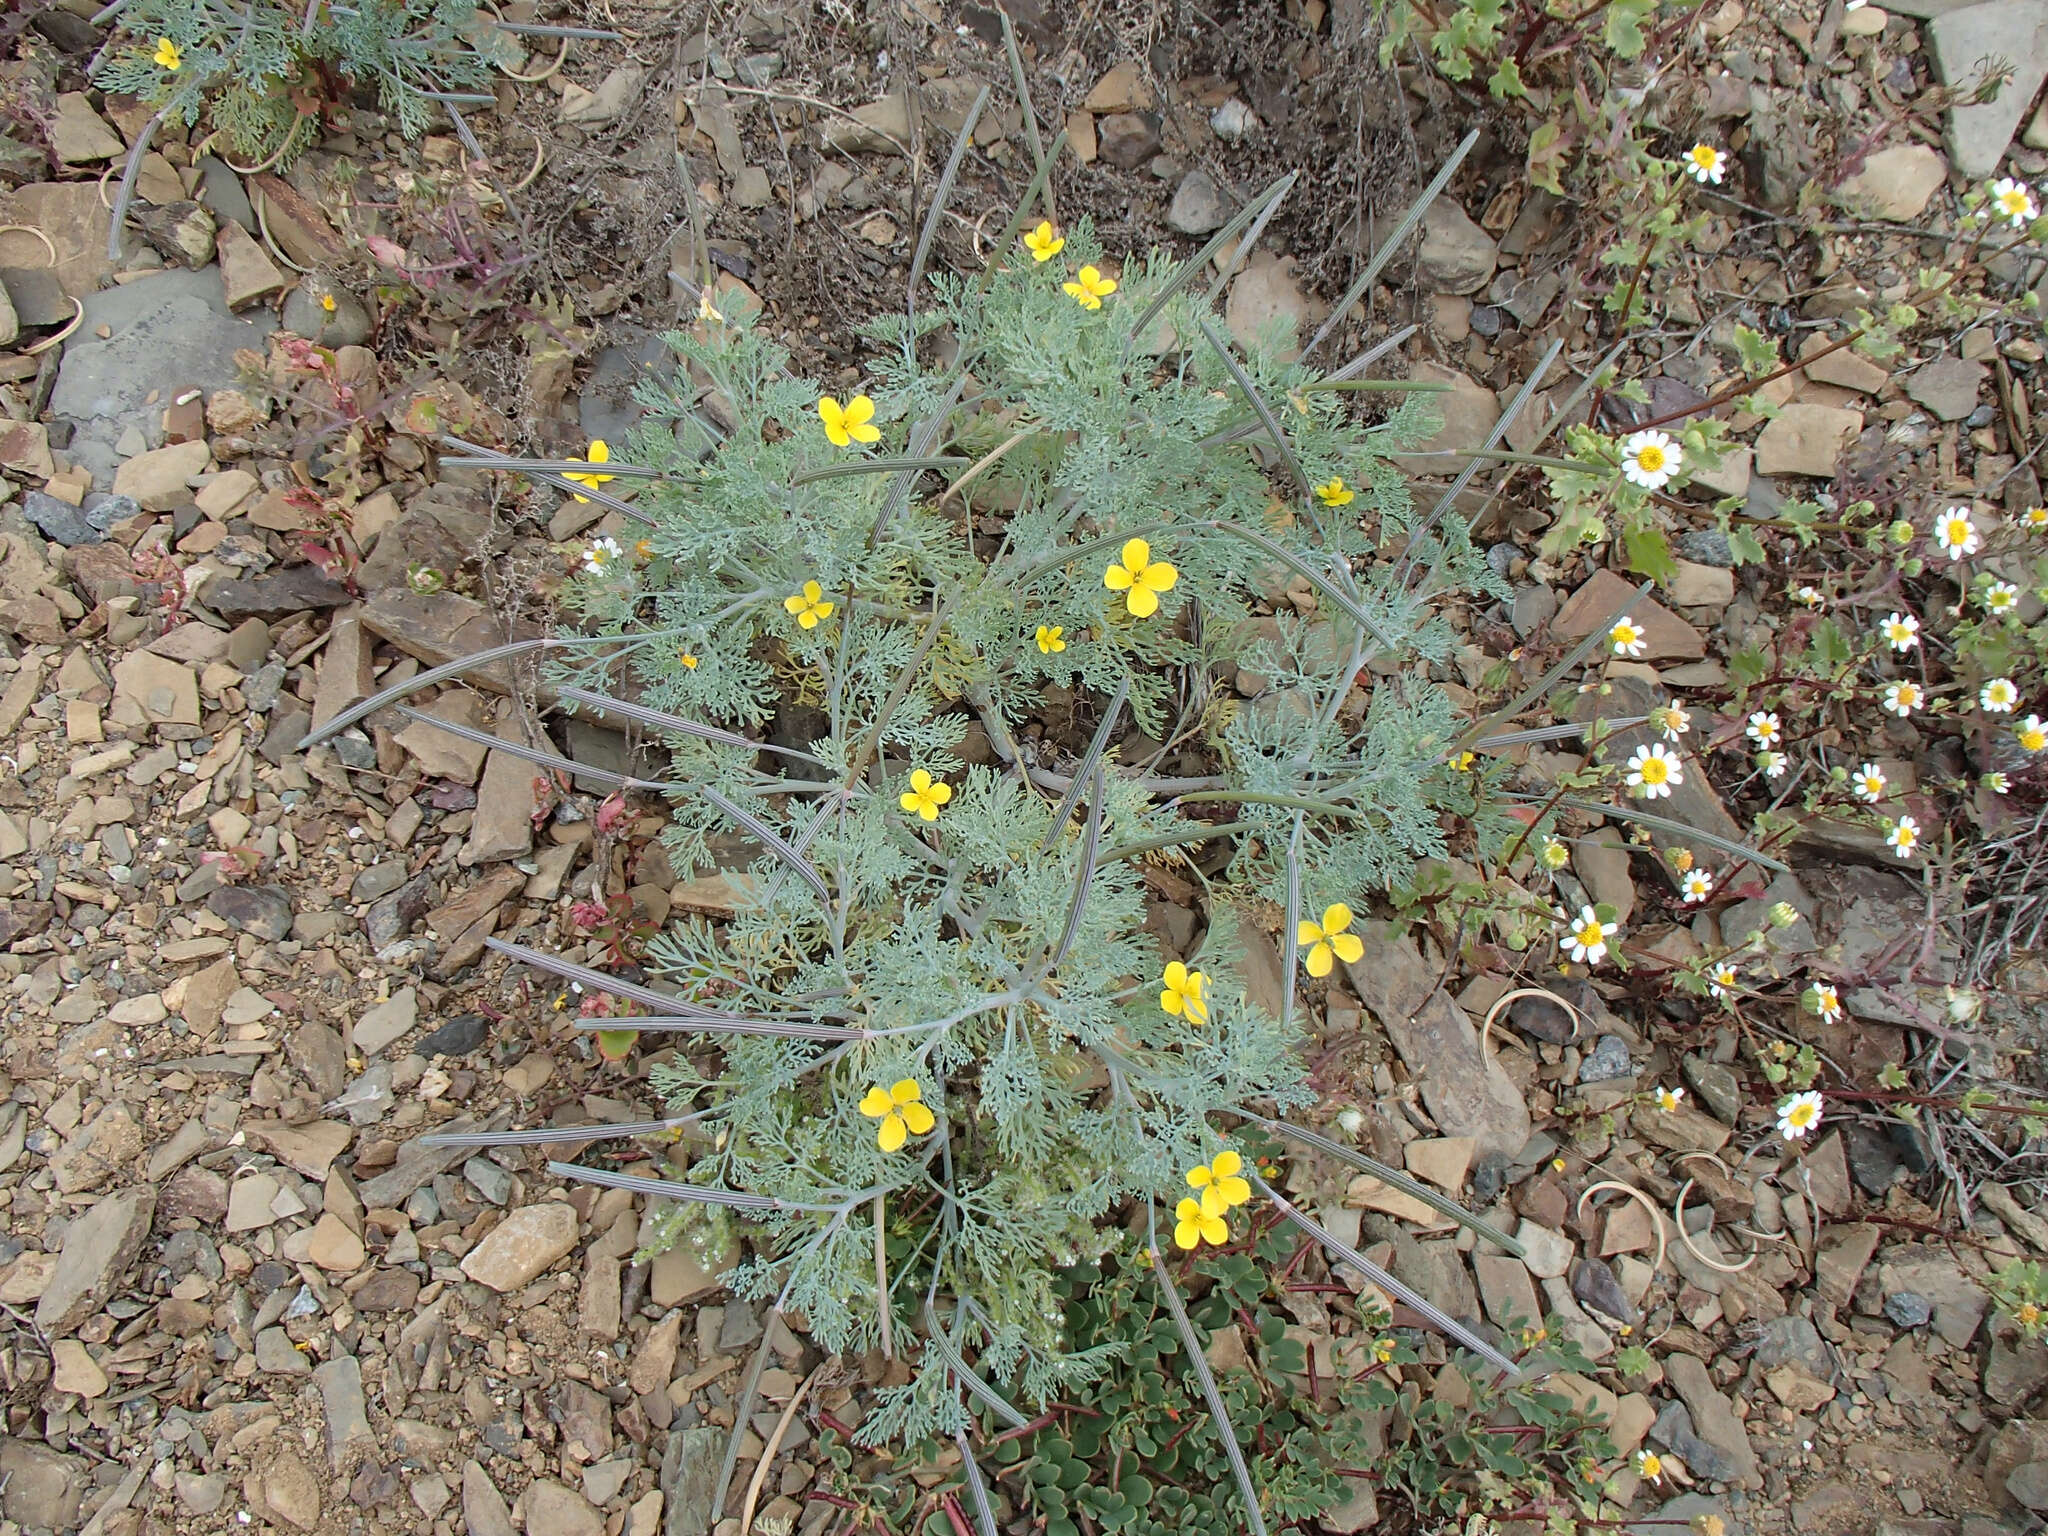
{"type": "Point", "coordinates": [1628, 637]}
{"type": "Point", "coordinates": [1723, 979]}
{"type": "Point", "coordinates": [1824, 1000]}
{"type": "Point", "coordinates": [1903, 698]}
{"type": "Point", "coordinates": [1672, 720]}
{"type": "Point", "coordinates": [1650, 459]}
{"type": "Point", "coordinates": [2015, 204]}
{"type": "Point", "coordinates": [1696, 885]}
{"type": "Point", "coordinates": [1996, 782]}
{"type": "Point", "coordinates": [2035, 519]}
{"type": "Point", "coordinates": [2032, 734]}
{"type": "Point", "coordinates": [1653, 771]}
{"type": "Point", "coordinates": [1955, 534]}
{"type": "Point", "coordinates": [1798, 1114]}
{"type": "Point", "coordinates": [1999, 695]}
{"type": "Point", "coordinates": [1587, 939]}
{"type": "Point", "coordinates": [599, 555]}
{"type": "Point", "coordinates": [1869, 781]}
{"type": "Point", "coordinates": [1772, 763]}
{"type": "Point", "coordinates": [1999, 597]}
{"type": "Point", "coordinates": [1902, 630]}
{"type": "Point", "coordinates": [1669, 1099]}
{"type": "Point", "coordinates": [1706, 164]}
{"type": "Point", "coordinates": [1810, 596]}
{"type": "Point", "coordinates": [1904, 836]}
{"type": "Point", "coordinates": [1765, 728]}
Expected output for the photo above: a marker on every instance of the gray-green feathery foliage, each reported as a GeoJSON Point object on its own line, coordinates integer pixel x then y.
{"type": "Point", "coordinates": [263, 72]}
{"type": "Point", "coordinates": [992, 954]}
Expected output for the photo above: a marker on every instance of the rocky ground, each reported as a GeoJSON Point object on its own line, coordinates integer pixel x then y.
{"type": "Point", "coordinates": [242, 978]}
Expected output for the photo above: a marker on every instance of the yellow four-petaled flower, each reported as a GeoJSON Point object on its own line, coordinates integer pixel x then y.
{"type": "Point", "coordinates": [809, 606]}
{"type": "Point", "coordinates": [1329, 941]}
{"type": "Point", "coordinates": [1089, 288]}
{"type": "Point", "coordinates": [1193, 1225]}
{"type": "Point", "coordinates": [598, 454]}
{"type": "Point", "coordinates": [1043, 243]}
{"type": "Point", "coordinates": [1335, 493]}
{"type": "Point", "coordinates": [1050, 638]}
{"type": "Point", "coordinates": [1181, 993]}
{"type": "Point", "coordinates": [1142, 578]}
{"type": "Point", "coordinates": [167, 55]}
{"type": "Point", "coordinates": [852, 422]}
{"type": "Point", "coordinates": [925, 795]}
{"type": "Point", "coordinates": [1220, 1183]}
{"type": "Point", "coordinates": [899, 1109]}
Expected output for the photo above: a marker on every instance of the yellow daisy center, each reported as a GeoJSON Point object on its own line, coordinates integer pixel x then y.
{"type": "Point", "coordinates": [1590, 934]}
{"type": "Point", "coordinates": [1655, 770]}
{"type": "Point", "coordinates": [1649, 458]}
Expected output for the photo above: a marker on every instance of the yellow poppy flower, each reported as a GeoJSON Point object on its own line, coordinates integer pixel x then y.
{"type": "Point", "coordinates": [167, 55]}
{"type": "Point", "coordinates": [1220, 1184]}
{"type": "Point", "coordinates": [327, 303]}
{"type": "Point", "coordinates": [1194, 1226]}
{"type": "Point", "coordinates": [849, 423]}
{"type": "Point", "coordinates": [688, 659]}
{"type": "Point", "coordinates": [1090, 288]}
{"type": "Point", "coordinates": [899, 1110]}
{"type": "Point", "coordinates": [1329, 941]}
{"type": "Point", "coordinates": [1142, 577]}
{"type": "Point", "coordinates": [1043, 243]}
{"type": "Point", "coordinates": [1335, 493]}
{"type": "Point", "coordinates": [1049, 638]}
{"type": "Point", "coordinates": [925, 795]}
{"type": "Point", "coordinates": [809, 606]}
{"type": "Point", "coordinates": [1181, 993]}
{"type": "Point", "coordinates": [598, 454]}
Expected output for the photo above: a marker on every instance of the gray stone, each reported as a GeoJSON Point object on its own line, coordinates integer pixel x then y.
{"type": "Point", "coordinates": [347, 324]}
{"type": "Point", "coordinates": [1198, 207]}
{"type": "Point", "coordinates": [1607, 1061]}
{"type": "Point", "coordinates": [378, 880]}
{"type": "Point", "coordinates": [1457, 256]}
{"type": "Point", "coordinates": [220, 190]}
{"type": "Point", "coordinates": [1127, 139]}
{"type": "Point", "coordinates": [346, 1409]}
{"type": "Point", "coordinates": [1947, 386]}
{"type": "Point", "coordinates": [2016, 1368]}
{"type": "Point", "coordinates": [1673, 1430]}
{"type": "Point", "coordinates": [275, 594]}
{"type": "Point", "coordinates": [696, 1482]}
{"type": "Point", "coordinates": [1708, 546]}
{"type": "Point", "coordinates": [1713, 1419]}
{"type": "Point", "coordinates": [1909, 1309]}
{"type": "Point", "coordinates": [388, 1021]}
{"type": "Point", "coordinates": [2028, 1483]}
{"type": "Point", "coordinates": [1717, 1085]}
{"type": "Point", "coordinates": [168, 332]}
{"type": "Point", "coordinates": [1793, 1340]}
{"type": "Point", "coordinates": [264, 910]}
{"type": "Point", "coordinates": [1964, 43]}
{"type": "Point", "coordinates": [1594, 1284]}
{"type": "Point", "coordinates": [458, 1037]}
{"type": "Point", "coordinates": [40, 1489]}
{"type": "Point", "coordinates": [275, 1354]}
{"type": "Point", "coordinates": [98, 1248]}
{"type": "Point", "coordinates": [1464, 1088]}
{"type": "Point", "coordinates": [86, 524]}
{"type": "Point", "coordinates": [484, 1511]}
